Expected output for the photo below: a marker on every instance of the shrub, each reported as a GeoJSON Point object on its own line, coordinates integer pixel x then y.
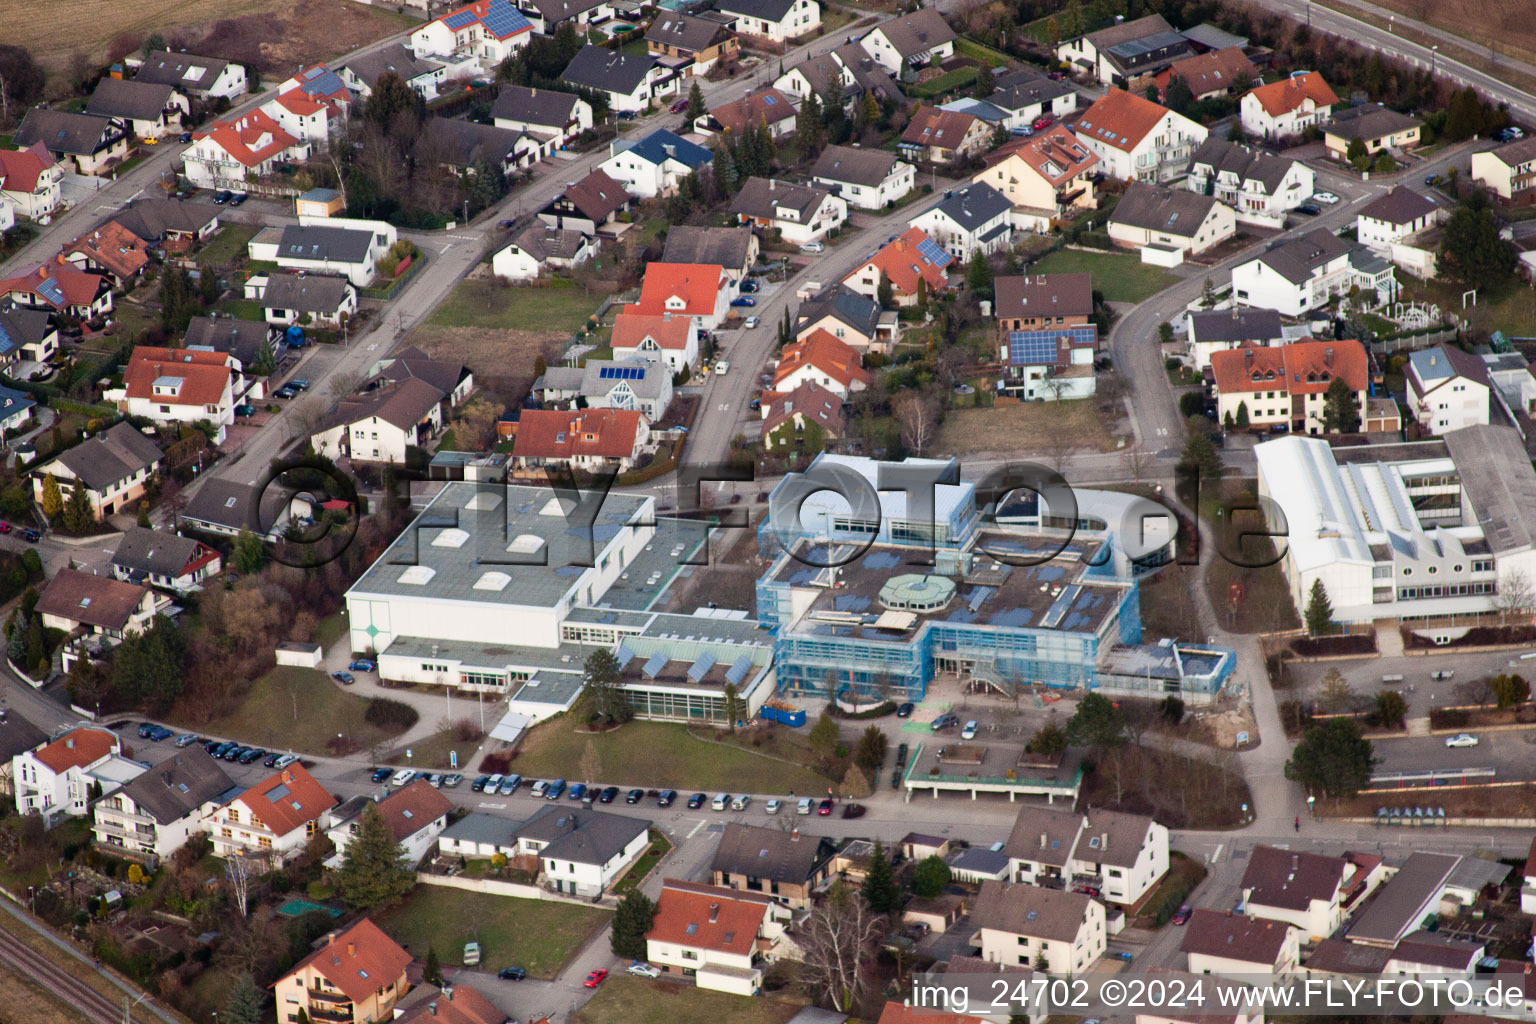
{"type": "Point", "coordinates": [386, 714]}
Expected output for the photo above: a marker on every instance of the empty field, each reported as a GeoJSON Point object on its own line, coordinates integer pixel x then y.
{"type": "Point", "coordinates": [1037, 428]}
{"type": "Point", "coordinates": [482, 302]}
{"type": "Point", "coordinates": [1120, 276]}
{"type": "Point", "coordinates": [636, 1001]}
{"type": "Point", "coordinates": [539, 936]}
{"type": "Point", "coordinates": [1505, 24]}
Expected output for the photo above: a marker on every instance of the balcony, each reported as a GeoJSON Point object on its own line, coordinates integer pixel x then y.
{"type": "Point", "coordinates": [332, 1015]}
{"type": "Point", "coordinates": [328, 997]}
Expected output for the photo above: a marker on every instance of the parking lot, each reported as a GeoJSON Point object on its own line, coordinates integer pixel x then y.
{"type": "Point", "coordinates": [1364, 675]}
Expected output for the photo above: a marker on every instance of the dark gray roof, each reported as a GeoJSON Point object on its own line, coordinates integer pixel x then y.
{"type": "Point", "coordinates": [312, 293]}
{"type": "Point", "coordinates": [464, 142]}
{"type": "Point", "coordinates": [153, 219]}
{"type": "Point", "coordinates": [157, 552]}
{"type": "Point", "coordinates": [1400, 206]}
{"type": "Point", "coordinates": [1044, 835]}
{"type": "Point", "coordinates": [1025, 88]}
{"type": "Point", "coordinates": [1261, 325]}
{"type": "Point", "coordinates": [608, 70]}
{"type": "Point", "coordinates": [974, 205]}
{"type": "Point", "coordinates": [764, 197]}
{"type": "Point", "coordinates": [766, 10]}
{"type": "Point", "coordinates": [1369, 121]}
{"type": "Point", "coordinates": [372, 66]}
{"type": "Point", "coordinates": [17, 735]}
{"type": "Point", "coordinates": [857, 311]}
{"type": "Point", "coordinates": [1439, 950]}
{"type": "Point", "coordinates": [545, 108]}
{"type": "Point", "coordinates": [1174, 211]}
{"type": "Point", "coordinates": [917, 32]}
{"type": "Point", "coordinates": [854, 164]}
{"type": "Point", "coordinates": [180, 785]}
{"type": "Point", "coordinates": [1039, 913]}
{"type": "Point", "coordinates": [581, 835]}
{"type": "Point", "coordinates": [121, 97]}
{"type": "Point", "coordinates": [404, 403]}
{"type": "Point", "coordinates": [183, 70]}
{"type": "Point", "coordinates": [242, 339]}
{"type": "Point", "coordinates": [980, 859]}
{"type": "Point", "coordinates": [1340, 956]}
{"type": "Point", "coordinates": [483, 828]}
{"type": "Point", "coordinates": [312, 242]}
{"type": "Point", "coordinates": [62, 132]}
{"type": "Point", "coordinates": [225, 503]}
{"type": "Point", "coordinates": [727, 247]}
{"type": "Point", "coordinates": [554, 11]}
{"type": "Point", "coordinates": [22, 326]}
{"type": "Point", "coordinates": [1499, 484]}
{"type": "Point", "coordinates": [1213, 38]}
{"type": "Point", "coordinates": [685, 31]}
{"type": "Point", "coordinates": [1249, 165]}
{"type": "Point", "coordinates": [442, 374]}
{"type": "Point", "coordinates": [112, 455]}
{"type": "Point", "coordinates": [1125, 31]}
{"type": "Point", "coordinates": [543, 242]}
{"type": "Point", "coordinates": [1291, 879]}
{"type": "Point", "coordinates": [1403, 901]}
{"type": "Point", "coordinates": [1296, 259]}
{"type": "Point", "coordinates": [770, 853]}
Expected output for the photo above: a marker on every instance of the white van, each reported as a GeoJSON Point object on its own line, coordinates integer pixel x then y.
{"type": "Point", "coordinates": [721, 802]}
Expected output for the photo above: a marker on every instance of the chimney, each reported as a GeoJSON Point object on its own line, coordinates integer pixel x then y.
{"type": "Point", "coordinates": [1432, 359]}
{"type": "Point", "coordinates": [330, 940]}
{"type": "Point", "coordinates": [771, 184]}
{"type": "Point", "coordinates": [432, 1009]}
{"type": "Point", "coordinates": [1295, 862]}
{"type": "Point", "coordinates": [1103, 841]}
{"type": "Point", "coordinates": [351, 949]}
{"type": "Point", "coordinates": [1328, 356]}
{"type": "Point", "coordinates": [794, 835]}
{"type": "Point", "coordinates": [714, 913]}
{"type": "Point", "coordinates": [448, 992]}
{"type": "Point", "coordinates": [1043, 839]}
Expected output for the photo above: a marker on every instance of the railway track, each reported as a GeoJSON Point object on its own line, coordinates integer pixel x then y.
{"type": "Point", "coordinates": [52, 978]}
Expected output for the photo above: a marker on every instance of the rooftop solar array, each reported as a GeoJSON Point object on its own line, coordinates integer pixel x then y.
{"type": "Point", "coordinates": [621, 372]}
{"type": "Point", "coordinates": [1033, 348]}
{"type": "Point", "coordinates": [653, 667]}
{"type": "Point", "coordinates": [624, 655]}
{"type": "Point", "coordinates": [701, 667]}
{"type": "Point", "coordinates": [738, 671]}
{"type": "Point", "coordinates": [51, 291]}
{"type": "Point", "coordinates": [459, 20]}
{"type": "Point", "coordinates": [502, 19]}
{"type": "Point", "coordinates": [930, 251]}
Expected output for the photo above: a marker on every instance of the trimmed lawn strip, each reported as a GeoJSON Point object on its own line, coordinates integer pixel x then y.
{"type": "Point", "coordinates": [297, 709]}
{"type": "Point", "coordinates": [432, 752]}
{"type": "Point", "coordinates": [648, 861]}
{"type": "Point", "coordinates": [539, 936]}
{"type": "Point", "coordinates": [1122, 277]}
{"type": "Point", "coordinates": [562, 306]}
{"type": "Point", "coordinates": [231, 243]}
{"type": "Point", "coordinates": [626, 1000]}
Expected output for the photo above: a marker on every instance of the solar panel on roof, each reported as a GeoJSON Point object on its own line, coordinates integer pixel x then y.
{"type": "Point", "coordinates": [620, 372]}
{"type": "Point", "coordinates": [930, 251]}
{"type": "Point", "coordinates": [459, 20]}
{"type": "Point", "coordinates": [738, 671]}
{"type": "Point", "coordinates": [502, 19]}
{"type": "Point", "coordinates": [624, 655]}
{"type": "Point", "coordinates": [701, 667]}
{"type": "Point", "coordinates": [51, 291]}
{"type": "Point", "coordinates": [769, 101]}
{"type": "Point", "coordinates": [655, 665]}
{"type": "Point", "coordinates": [1032, 348]}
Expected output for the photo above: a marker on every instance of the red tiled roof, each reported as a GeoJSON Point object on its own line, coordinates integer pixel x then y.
{"type": "Point", "coordinates": [479, 10]}
{"type": "Point", "coordinates": [1300, 368]}
{"type": "Point", "coordinates": [287, 800]}
{"type": "Point", "coordinates": [900, 262]}
{"type": "Point", "coordinates": [706, 921]}
{"type": "Point", "coordinates": [1287, 94]}
{"type": "Point", "coordinates": [112, 246]}
{"type": "Point", "coordinates": [455, 1004]}
{"type": "Point", "coordinates": [1211, 72]}
{"type": "Point", "coordinates": [630, 329]}
{"type": "Point", "coordinates": [77, 748]}
{"type": "Point", "coordinates": [754, 108]}
{"type": "Point", "coordinates": [20, 168]}
{"type": "Point", "coordinates": [78, 287]}
{"type": "Point", "coordinates": [205, 375]}
{"type": "Point", "coordinates": [251, 138]}
{"type": "Point", "coordinates": [558, 434]}
{"type": "Point", "coordinates": [411, 809]}
{"type": "Point", "coordinates": [1120, 119]}
{"type": "Point", "coordinates": [696, 284]}
{"type": "Point", "coordinates": [820, 349]}
{"type": "Point", "coordinates": [359, 961]}
{"type": "Point", "coordinates": [931, 126]}
{"type": "Point", "coordinates": [1056, 155]}
{"type": "Point", "coordinates": [295, 101]}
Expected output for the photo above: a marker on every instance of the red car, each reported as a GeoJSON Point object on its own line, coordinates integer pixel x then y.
{"type": "Point", "coordinates": [1043, 122]}
{"type": "Point", "coordinates": [5, 527]}
{"type": "Point", "coordinates": [1183, 914]}
{"type": "Point", "coordinates": [595, 978]}
{"type": "Point", "coordinates": [825, 807]}
{"type": "Point", "coordinates": [679, 106]}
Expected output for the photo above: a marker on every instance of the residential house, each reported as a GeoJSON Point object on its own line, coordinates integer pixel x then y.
{"type": "Point", "coordinates": [589, 439]}
{"type": "Point", "coordinates": [1308, 890]}
{"type": "Point", "coordinates": [1118, 857]}
{"type": "Point", "coordinates": [225, 508]}
{"type": "Point", "coordinates": [181, 386]}
{"type": "Point", "coordinates": [115, 466]}
{"type": "Point", "coordinates": [1187, 223]}
{"type": "Point", "coordinates": [61, 288]}
{"type": "Point", "coordinates": [821, 359]}
{"type": "Point", "coordinates": [1046, 336]}
{"type": "Point", "coordinates": [587, 205]}
{"type": "Point", "coordinates": [1043, 176]}
{"type": "Point", "coordinates": [169, 225]}
{"type": "Point", "coordinates": [719, 937]}
{"type": "Point", "coordinates": [273, 819]}
{"type": "Point", "coordinates": [539, 246]}
{"type": "Point", "coordinates": [701, 291]}
{"type": "Point", "coordinates": [1260, 188]}
{"type": "Point", "coordinates": [112, 251]}
{"type": "Point", "coordinates": [416, 815]}
{"type": "Point", "coordinates": [159, 558]}
{"type": "Point", "coordinates": [25, 333]}
{"type": "Point", "coordinates": [765, 106]}
{"type": "Point", "coordinates": [355, 977]}
{"type": "Point", "coordinates": [454, 1003]}
{"type": "Point", "coordinates": [57, 777]}
{"type": "Point", "coordinates": [224, 152]}
{"type": "Point", "coordinates": [1509, 171]}
{"type": "Point", "coordinates": [808, 409]}
{"type": "Point", "coordinates": [15, 407]}
{"type": "Point", "coordinates": [911, 41]}
{"type": "Point", "coordinates": [453, 380]}
{"type": "Point", "coordinates": [849, 317]}
{"type": "Point", "coordinates": [1401, 226]}
{"type": "Point", "coordinates": [1435, 953]}
{"type": "Point", "coordinates": [976, 217]}
{"type": "Point", "coordinates": [332, 245]}
{"type": "Point", "coordinates": [464, 146]}
{"type": "Point", "coordinates": [778, 863]}
{"type": "Point", "coordinates": [985, 976]}
{"type": "Point", "coordinates": [798, 213]}
{"type": "Point", "coordinates": [868, 179]}
{"type": "Point", "coordinates": [308, 117]}
{"type": "Point", "coordinates": [17, 736]}
{"type": "Point", "coordinates": [734, 249]}
{"type": "Point", "coordinates": [479, 835]}
{"type": "Point", "coordinates": [1222, 943]}
{"type": "Point", "coordinates": [489, 30]}
{"type": "Point", "coordinates": [361, 73]}
{"type": "Point", "coordinates": [583, 851]}
{"type": "Point", "coordinates": [150, 110]}
{"type": "Point", "coordinates": [1377, 127]}
{"type": "Point", "coordinates": [1304, 272]}
{"type": "Point", "coordinates": [204, 77]}
{"type": "Point", "coordinates": [1287, 107]}
{"type": "Point", "coordinates": [902, 1013]}
{"type": "Point", "coordinates": [29, 181]}
{"type": "Point", "coordinates": [1216, 73]}
{"type": "Point", "coordinates": [84, 142]}
{"type": "Point", "coordinates": [1138, 140]}
{"type": "Point", "coordinates": [1027, 925]}
{"type": "Point", "coordinates": [702, 41]}
{"type": "Point", "coordinates": [976, 864]}
{"type": "Point", "coordinates": [381, 425]}
{"type": "Point", "coordinates": [1026, 95]}
{"type": "Point", "coordinates": [774, 20]}
{"type": "Point", "coordinates": [944, 136]}
{"type": "Point", "coordinates": [664, 337]}
{"type": "Point", "coordinates": [850, 65]}
{"type": "Point", "coordinates": [321, 84]}
{"type": "Point", "coordinates": [1126, 50]}
{"type": "Point", "coordinates": [548, 15]}
{"type": "Point", "coordinates": [97, 605]}
{"type": "Point", "coordinates": [653, 166]}
{"type": "Point", "coordinates": [1286, 387]}
{"type": "Point", "coordinates": [914, 265]}
{"type": "Point", "coordinates": [289, 298]}
{"type": "Point", "coordinates": [1447, 389]}
{"type": "Point", "coordinates": [562, 115]}
{"type": "Point", "coordinates": [1425, 887]}
{"type": "Point", "coordinates": [154, 815]}
{"type": "Point", "coordinates": [609, 384]}
{"type": "Point", "coordinates": [630, 81]}
{"type": "Point", "coordinates": [1220, 330]}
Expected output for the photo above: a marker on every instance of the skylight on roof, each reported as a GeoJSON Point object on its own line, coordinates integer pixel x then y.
{"type": "Point", "coordinates": [417, 575]}
{"type": "Point", "coordinates": [451, 538]}
{"type": "Point", "coordinates": [493, 581]}
{"type": "Point", "coordinates": [526, 544]}
{"type": "Point", "coordinates": [483, 502]}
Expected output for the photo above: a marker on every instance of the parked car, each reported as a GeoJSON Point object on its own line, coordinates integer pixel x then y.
{"type": "Point", "coordinates": [222, 196]}
{"type": "Point", "coordinates": [216, 748]}
{"type": "Point", "coordinates": [678, 107]}
{"type": "Point", "coordinates": [895, 778]}
{"type": "Point", "coordinates": [723, 367]}
{"type": "Point", "coordinates": [825, 807]}
{"type": "Point", "coordinates": [344, 678]}
{"type": "Point", "coordinates": [554, 789]}
{"type": "Point", "coordinates": [595, 978]}
{"type": "Point", "coordinates": [853, 810]}
{"type": "Point", "coordinates": [506, 225]}
{"type": "Point", "coordinates": [403, 777]}
{"type": "Point", "coordinates": [969, 732]}
{"type": "Point", "coordinates": [1464, 739]}
{"type": "Point", "coordinates": [751, 323]}
{"type": "Point", "coordinates": [644, 970]}
{"type": "Point", "coordinates": [578, 790]}
{"type": "Point", "coordinates": [667, 798]}
{"type": "Point", "coordinates": [607, 795]}
{"type": "Point", "coordinates": [450, 781]}
{"type": "Point", "coordinates": [772, 807]}
{"type": "Point", "coordinates": [1042, 123]}
{"type": "Point", "coordinates": [362, 665]}
{"type": "Point", "coordinates": [245, 411]}
{"type": "Point", "coordinates": [901, 756]}
{"type": "Point", "coordinates": [540, 787]}
{"type": "Point", "coordinates": [755, 404]}
{"type": "Point", "coordinates": [1308, 210]}
{"type": "Point", "coordinates": [805, 805]}
{"type": "Point", "coordinates": [299, 385]}
{"type": "Point", "coordinates": [696, 801]}
{"type": "Point", "coordinates": [186, 136]}
{"type": "Point", "coordinates": [251, 754]}
{"type": "Point", "coordinates": [271, 761]}
{"type": "Point", "coordinates": [32, 536]}
{"type": "Point", "coordinates": [285, 393]}
{"type": "Point", "coordinates": [478, 786]}
{"type": "Point", "coordinates": [1326, 198]}
{"type": "Point", "coordinates": [235, 753]}
{"type": "Point", "coordinates": [511, 974]}
{"type": "Point", "coordinates": [1023, 133]}
{"type": "Point", "coordinates": [749, 285]}
{"type": "Point", "coordinates": [237, 199]}
{"type": "Point", "coordinates": [186, 739]}
{"type": "Point", "coordinates": [383, 774]}
{"type": "Point", "coordinates": [813, 247]}
{"type": "Point", "coordinates": [634, 796]}
{"type": "Point", "coordinates": [286, 760]}
{"type": "Point", "coordinates": [743, 300]}
{"type": "Point", "coordinates": [741, 803]}
{"type": "Point", "coordinates": [508, 785]}
{"type": "Point", "coordinates": [945, 721]}
{"type": "Point", "coordinates": [6, 527]}
{"type": "Point", "coordinates": [1182, 914]}
{"type": "Point", "coordinates": [434, 779]}
{"type": "Point", "coordinates": [492, 782]}
{"type": "Point", "coordinates": [905, 709]}
{"type": "Point", "coordinates": [720, 802]}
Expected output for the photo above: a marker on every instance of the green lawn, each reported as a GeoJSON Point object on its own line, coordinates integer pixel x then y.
{"type": "Point", "coordinates": [295, 709]}
{"type": "Point", "coordinates": [946, 82]}
{"type": "Point", "coordinates": [132, 319]}
{"type": "Point", "coordinates": [539, 936]}
{"type": "Point", "coordinates": [648, 860]}
{"type": "Point", "coordinates": [433, 751]}
{"type": "Point", "coordinates": [1122, 277]}
{"type": "Point", "coordinates": [657, 754]}
{"type": "Point", "coordinates": [330, 630]}
{"type": "Point", "coordinates": [985, 54]}
{"type": "Point", "coordinates": [240, 309]}
{"type": "Point", "coordinates": [626, 1000]}
{"type": "Point", "coordinates": [563, 306]}
{"type": "Point", "coordinates": [231, 243]}
{"type": "Point", "coordinates": [1511, 309]}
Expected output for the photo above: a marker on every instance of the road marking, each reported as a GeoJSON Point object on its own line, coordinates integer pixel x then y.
{"type": "Point", "coordinates": [493, 807]}
{"type": "Point", "coordinates": [725, 406]}
{"type": "Point", "coordinates": [694, 831]}
{"type": "Point", "coordinates": [373, 346]}
{"type": "Point", "coordinates": [1217, 855]}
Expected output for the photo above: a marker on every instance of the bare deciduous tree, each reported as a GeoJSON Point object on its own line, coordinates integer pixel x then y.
{"type": "Point", "coordinates": [1136, 461]}
{"type": "Point", "coordinates": [237, 872]}
{"type": "Point", "coordinates": [1515, 595]}
{"type": "Point", "coordinates": [918, 414]}
{"type": "Point", "coordinates": [838, 940]}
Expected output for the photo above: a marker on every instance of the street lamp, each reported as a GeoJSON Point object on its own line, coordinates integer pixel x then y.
{"type": "Point", "coordinates": [1433, 50]}
{"type": "Point", "coordinates": [1311, 805]}
{"type": "Point", "coordinates": [1391, 24]}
